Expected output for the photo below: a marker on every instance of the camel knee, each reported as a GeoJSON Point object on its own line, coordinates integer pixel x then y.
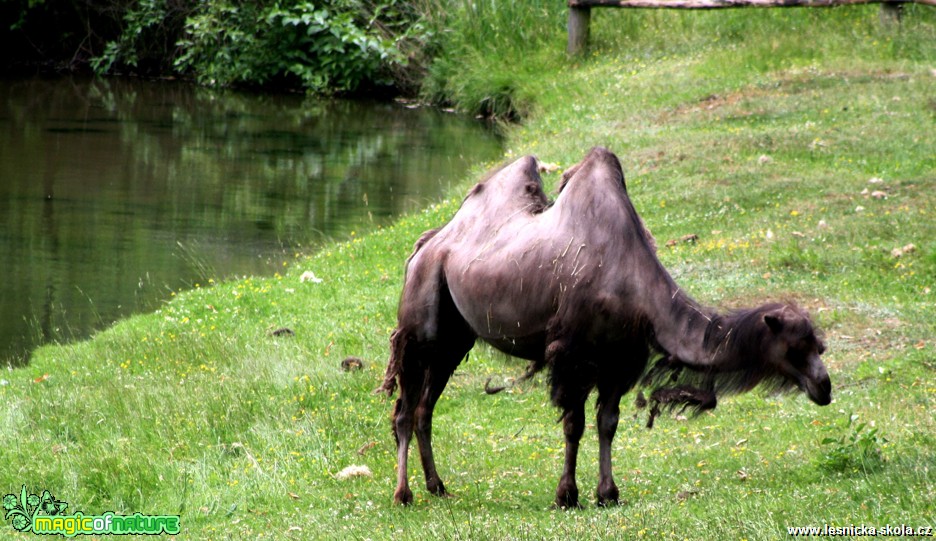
{"type": "Point", "coordinates": [423, 416]}
{"type": "Point", "coordinates": [403, 426]}
{"type": "Point", "coordinates": [608, 423]}
{"type": "Point", "coordinates": [573, 424]}
{"type": "Point", "coordinates": [402, 422]}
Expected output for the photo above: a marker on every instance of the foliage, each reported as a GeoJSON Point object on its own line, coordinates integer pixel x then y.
{"type": "Point", "coordinates": [62, 34]}
{"type": "Point", "coordinates": [859, 450]}
{"type": "Point", "coordinates": [147, 40]}
{"type": "Point", "coordinates": [494, 58]}
{"type": "Point", "coordinates": [336, 45]}
{"type": "Point", "coordinates": [484, 49]}
{"type": "Point", "coordinates": [326, 46]}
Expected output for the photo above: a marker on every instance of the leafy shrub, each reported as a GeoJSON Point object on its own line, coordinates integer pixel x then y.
{"type": "Point", "coordinates": [324, 47]}
{"type": "Point", "coordinates": [858, 450]}
{"type": "Point", "coordinates": [147, 37]}
{"type": "Point", "coordinates": [336, 45]}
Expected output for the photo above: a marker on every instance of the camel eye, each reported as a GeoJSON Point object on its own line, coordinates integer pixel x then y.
{"type": "Point", "coordinates": [813, 342]}
{"type": "Point", "coordinates": [796, 356]}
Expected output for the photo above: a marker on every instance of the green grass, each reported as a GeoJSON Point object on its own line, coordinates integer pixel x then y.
{"type": "Point", "coordinates": [760, 142]}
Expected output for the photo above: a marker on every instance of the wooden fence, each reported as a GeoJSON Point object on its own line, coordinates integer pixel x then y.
{"type": "Point", "coordinates": [580, 10]}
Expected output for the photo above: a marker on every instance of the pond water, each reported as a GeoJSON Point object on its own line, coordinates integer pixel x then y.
{"type": "Point", "coordinates": [113, 193]}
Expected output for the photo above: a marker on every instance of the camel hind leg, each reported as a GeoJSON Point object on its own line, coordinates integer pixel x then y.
{"type": "Point", "coordinates": [410, 387]}
{"type": "Point", "coordinates": [570, 384]}
{"type": "Point", "coordinates": [436, 379]}
{"type": "Point", "coordinates": [422, 366]}
{"type": "Point", "coordinates": [573, 426]}
{"type": "Point", "coordinates": [424, 374]}
{"type": "Point", "coordinates": [609, 398]}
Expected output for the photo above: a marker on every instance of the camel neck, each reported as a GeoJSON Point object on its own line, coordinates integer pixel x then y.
{"type": "Point", "coordinates": [680, 324]}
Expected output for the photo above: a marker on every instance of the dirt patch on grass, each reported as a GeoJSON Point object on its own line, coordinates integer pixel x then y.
{"type": "Point", "coordinates": [786, 85]}
{"type": "Point", "coordinates": [713, 103]}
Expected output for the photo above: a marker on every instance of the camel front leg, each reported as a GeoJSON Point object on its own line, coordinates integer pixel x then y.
{"type": "Point", "coordinates": [608, 413]}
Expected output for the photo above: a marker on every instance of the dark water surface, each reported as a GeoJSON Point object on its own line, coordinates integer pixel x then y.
{"type": "Point", "coordinates": [115, 192]}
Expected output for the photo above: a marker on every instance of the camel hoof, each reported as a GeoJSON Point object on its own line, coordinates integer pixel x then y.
{"type": "Point", "coordinates": [567, 499]}
{"type": "Point", "coordinates": [403, 496]}
{"type": "Point", "coordinates": [437, 488]}
{"type": "Point", "coordinates": [608, 497]}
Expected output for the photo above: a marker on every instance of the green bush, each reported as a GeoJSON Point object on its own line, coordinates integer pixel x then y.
{"type": "Point", "coordinates": [858, 451]}
{"type": "Point", "coordinates": [146, 38]}
{"type": "Point", "coordinates": [335, 45]}
{"type": "Point", "coordinates": [338, 45]}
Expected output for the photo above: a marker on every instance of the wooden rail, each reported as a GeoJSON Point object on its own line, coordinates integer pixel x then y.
{"type": "Point", "coordinates": [580, 10]}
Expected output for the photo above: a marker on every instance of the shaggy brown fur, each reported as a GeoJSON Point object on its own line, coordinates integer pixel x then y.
{"type": "Point", "coordinates": [575, 287]}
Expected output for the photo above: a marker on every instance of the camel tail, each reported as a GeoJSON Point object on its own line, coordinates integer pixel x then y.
{"type": "Point", "coordinates": [394, 365]}
{"type": "Point", "coordinates": [398, 339]}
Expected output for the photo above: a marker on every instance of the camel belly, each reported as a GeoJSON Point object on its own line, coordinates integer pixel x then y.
{"type": "Point", "coordinates": [502, 311]}
{"type": "Point", "coordinates": [531, 348]}
{"type": "Point", "coordinates": [509, 287]}
{"type": "Point", "coordinates": [506, 321]}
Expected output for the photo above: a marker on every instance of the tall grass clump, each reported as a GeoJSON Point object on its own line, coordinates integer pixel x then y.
{"type": "Point", "coordinates": [491, 54]}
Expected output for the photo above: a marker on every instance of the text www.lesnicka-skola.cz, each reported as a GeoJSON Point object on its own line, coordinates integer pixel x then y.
{"type": "Point", "coordinates": [889, 530]}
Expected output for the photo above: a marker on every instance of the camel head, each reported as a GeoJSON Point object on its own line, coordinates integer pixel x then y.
{"type": "Point", "coordinates": [792, 351]}
{"type": "Point", "coordinates": [774, 346]}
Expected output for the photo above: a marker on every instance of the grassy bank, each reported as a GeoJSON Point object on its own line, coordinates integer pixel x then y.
{"type": "Point", "coordinates": [767, 135]}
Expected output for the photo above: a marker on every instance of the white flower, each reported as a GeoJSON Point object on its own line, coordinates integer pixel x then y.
{"type": "Point", "coordinates": [353, 471]}
{"type": "Point", "coordinates": [309, 276]}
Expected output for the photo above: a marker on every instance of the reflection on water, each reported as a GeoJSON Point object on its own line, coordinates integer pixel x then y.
{"type": "Point", "coordinates": [114, 192]}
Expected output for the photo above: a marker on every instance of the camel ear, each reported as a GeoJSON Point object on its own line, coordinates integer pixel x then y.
{"type": "Point", "coordinates": [774, 322]}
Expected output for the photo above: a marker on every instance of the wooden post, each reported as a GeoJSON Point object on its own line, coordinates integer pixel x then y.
{"type": "Point", "coordinates": [890, 14]}
{"type": "Point", "coordinates": [579, 19]}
